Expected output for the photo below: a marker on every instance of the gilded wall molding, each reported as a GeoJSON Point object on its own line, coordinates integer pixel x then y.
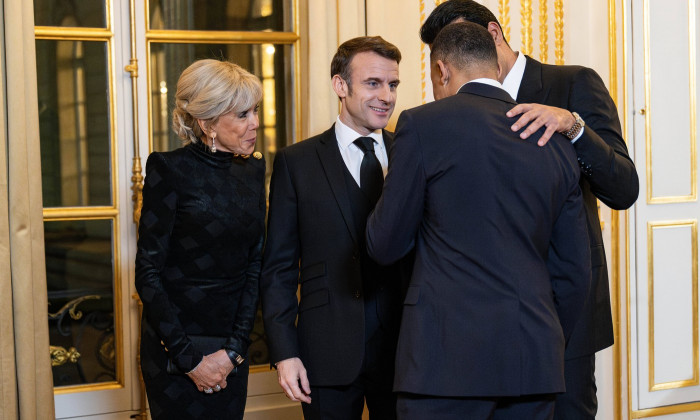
{"type": "Point", "coordinates": [543, 31]}
{"type": "Point", "coordinates": [504, 17]}
{"type": "Point", "coordinates": [615, 224]}
{"type": "Point", "coordinates": [526, 30]}
{"type": "Point", "coordinates": [137, 190]}
{"type": "Point", "coordinates": [423, 49]}
{"type": "Point", "coordinates": [558, 32]}
{"type": "Point", "coordinates": [133, 69]}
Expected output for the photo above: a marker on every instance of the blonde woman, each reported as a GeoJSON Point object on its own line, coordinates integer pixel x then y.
{"type": "Point", "coordinates": [199, 248]}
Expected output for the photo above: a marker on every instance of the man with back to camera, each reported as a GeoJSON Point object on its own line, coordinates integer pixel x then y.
{"type": "Point", "coordinates": [574, 101]}
{"type": "Point", "coordinates": [497, 284]}
{"type": "Point", "coordinates": [340, 353]}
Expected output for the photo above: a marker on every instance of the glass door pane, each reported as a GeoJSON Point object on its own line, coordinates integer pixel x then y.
{"type": "Point", "coordinates": [68, 13]}
{"type": "Point", "coordinates": [74, 122]}
{"type": "Point", "coordinates": [220, 15]}
{"type": "Point", "coordinates": [80, 282]}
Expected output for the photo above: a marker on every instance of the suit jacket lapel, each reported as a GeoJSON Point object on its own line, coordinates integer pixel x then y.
{"type": "Point", "coordinates": [333, 166]}
{"type": "Point", "coordinates": [531, 85]}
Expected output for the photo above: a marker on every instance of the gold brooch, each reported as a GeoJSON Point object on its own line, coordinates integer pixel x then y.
{"type": "Point", "coordinates": [241, 156]}
{"type": "Point", "coordinates": [257, 155]}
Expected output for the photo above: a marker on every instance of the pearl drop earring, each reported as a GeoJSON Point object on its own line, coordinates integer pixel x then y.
{"type": "Point", "coordinates": [213, 142]}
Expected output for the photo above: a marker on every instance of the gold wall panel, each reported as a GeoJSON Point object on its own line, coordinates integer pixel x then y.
{"type": "Point", "coordinates": [652, 296]}
{"type": "Point", "coordinates": [691, 110]}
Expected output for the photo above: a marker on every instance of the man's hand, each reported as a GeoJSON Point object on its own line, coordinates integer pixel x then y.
{"type": "Point", "coordinates": [537, 115]}
{"type": "Point", "coordinates": [212, 371]}
{"type": "Point", "coordinates": [291, 374]}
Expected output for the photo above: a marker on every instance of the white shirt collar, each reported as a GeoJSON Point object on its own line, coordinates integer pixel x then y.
{"type": "Point", "coordinates": [511, 83]}
{"type": "Point", "coordinates": [483, 80]}
{"type": "Point", "coordinates": [346, 135]}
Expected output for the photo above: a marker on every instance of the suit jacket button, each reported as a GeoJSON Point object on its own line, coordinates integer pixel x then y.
{"type": "Point", "coordinates": [356, 294]}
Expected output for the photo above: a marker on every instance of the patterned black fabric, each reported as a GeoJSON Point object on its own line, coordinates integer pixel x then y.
{"type": "Point", "coordinates": [197, 269]}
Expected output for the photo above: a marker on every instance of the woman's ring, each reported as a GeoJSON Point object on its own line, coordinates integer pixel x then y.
{"type": "Point", "coordinates": [208, 391]}
{"type": "Point", "coordinates": [217, 388]}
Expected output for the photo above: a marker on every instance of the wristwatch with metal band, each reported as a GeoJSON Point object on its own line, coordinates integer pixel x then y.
{"type": "Point", "coordinates": [576, 128]}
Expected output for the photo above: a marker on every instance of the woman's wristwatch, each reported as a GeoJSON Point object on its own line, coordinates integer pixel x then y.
{"type": "Point", "coordinates": [236, 358]}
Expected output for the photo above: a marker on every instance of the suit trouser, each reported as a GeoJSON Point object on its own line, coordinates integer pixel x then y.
{"type": "Point", "coordinates": [579, 402]}
{"type": "Point", "coordinates": [373, 386]}
{"type": "Point", "coordinates": [421, 407]}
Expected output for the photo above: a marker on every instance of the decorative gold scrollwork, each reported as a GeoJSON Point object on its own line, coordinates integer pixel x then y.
{"type": "Point", "coordinates": [526, 30]}
{"type": "Point", "coordinates": [71, 307]}
{"type": "Point", "coordinates": [504, 16]}
{"type": "Point", "coordinates": [558, 32]}
{"type": "Point", "coordinates": [60, 356]}
{"type": "Point", "coordinates": [543, 31]}
{"type": "Point", "coordinates": [107, 350]}
{"type": "Point", "coordinates": [137, 189]}
{"type": "Point", "coordinates": [422, 56]}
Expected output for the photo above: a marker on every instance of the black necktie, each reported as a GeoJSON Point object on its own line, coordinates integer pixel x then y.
{"type": "Point", "coordinates": [371, 173]}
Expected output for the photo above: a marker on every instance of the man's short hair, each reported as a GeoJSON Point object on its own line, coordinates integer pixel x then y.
{"type": "Point", "coordinates": [463, 45]}
{"type": "Point", "coordinates": [450, 10]}
{"type": "Point", "coordinates": [340, 64]}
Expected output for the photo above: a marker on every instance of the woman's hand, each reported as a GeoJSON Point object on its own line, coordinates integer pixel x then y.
{"type": "Point", "coordinates": [210, 374]}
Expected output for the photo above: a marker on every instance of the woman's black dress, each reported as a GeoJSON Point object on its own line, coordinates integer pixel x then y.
{"type": "Point", "coordinates": [197, 268]}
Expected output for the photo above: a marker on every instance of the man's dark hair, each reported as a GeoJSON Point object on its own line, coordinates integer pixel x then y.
{"type": "Point", "coordinates": [450, 10]}
{"type": "Point", "coordinates": [340, 64]}
{"type": "Point", "coordinates": [463, 45]}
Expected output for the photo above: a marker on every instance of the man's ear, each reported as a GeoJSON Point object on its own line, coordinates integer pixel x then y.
{"type": "Point", "coordinates": [444, 72]}
{"type": "Point", "coordinates": [495, 32]}
{"type": "Point", "coordinates": [340, 86]}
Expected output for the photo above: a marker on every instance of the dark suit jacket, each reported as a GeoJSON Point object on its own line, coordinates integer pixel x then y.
{"type": "Point", "coordinates": [312, 240]}
{"type": "Point", "coordinates": [607, 174]}
{"type": "Point", "coordinates": [497, 283]}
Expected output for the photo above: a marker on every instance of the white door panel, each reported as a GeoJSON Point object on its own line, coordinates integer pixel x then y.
{"type": "Point", "coordinates": [664, 277]}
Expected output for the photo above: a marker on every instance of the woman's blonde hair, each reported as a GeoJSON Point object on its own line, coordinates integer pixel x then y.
{"type": "Point", "coordinates": [208, 89]}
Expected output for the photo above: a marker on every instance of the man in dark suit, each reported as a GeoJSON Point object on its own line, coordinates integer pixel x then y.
{"type": "Point", "coordinates": [339, 353]}
{"type": "Point", "coordinates": [564, 99]}
{"type": "Point", "coordinates": [497, 284]}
